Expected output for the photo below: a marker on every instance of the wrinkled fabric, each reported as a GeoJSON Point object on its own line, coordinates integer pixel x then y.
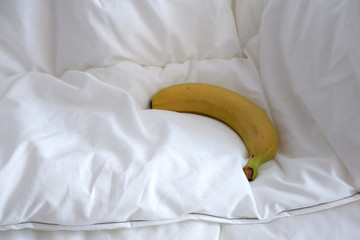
{"type": "Point", "coordinates": [81, 150]}
{"type": "Point", "coordinates": [327, 83]}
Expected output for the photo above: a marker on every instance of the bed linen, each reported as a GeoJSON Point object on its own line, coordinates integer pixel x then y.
{"type": "Point", "coordinates": [80, 149]}
{"type": "Point", "coordinates": [342, 220]}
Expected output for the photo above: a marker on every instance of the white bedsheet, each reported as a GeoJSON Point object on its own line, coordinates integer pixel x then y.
{"type": "Point", "coordinates": [80, 150]}
{"type": "Point", "coordinates": [336, 223]}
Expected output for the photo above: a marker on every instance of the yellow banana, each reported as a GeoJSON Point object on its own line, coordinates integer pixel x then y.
{"type": "Point", "coordinates": [242, 115]}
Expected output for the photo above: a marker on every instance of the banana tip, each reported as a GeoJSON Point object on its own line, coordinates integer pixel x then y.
{"type": "Point", "coordinates": [248, 173]}
{"type": "Point", "coordinates": [150, 104]}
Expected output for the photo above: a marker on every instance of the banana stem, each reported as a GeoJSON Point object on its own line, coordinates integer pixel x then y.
{"type": "Point", "coordinates": [248, 173]}
{"type": "Point", "coordinates": [251, 168]}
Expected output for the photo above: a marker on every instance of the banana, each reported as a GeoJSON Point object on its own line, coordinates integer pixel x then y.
{"type": "Point", "coordinates": [248, 120]}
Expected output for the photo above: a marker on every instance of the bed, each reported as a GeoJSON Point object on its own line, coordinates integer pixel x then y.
{"type": "Point", "coordinates": [82, 156]}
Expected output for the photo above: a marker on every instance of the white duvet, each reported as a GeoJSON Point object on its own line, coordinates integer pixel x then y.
{"type": "Point", "coordinates": [81, 150]}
